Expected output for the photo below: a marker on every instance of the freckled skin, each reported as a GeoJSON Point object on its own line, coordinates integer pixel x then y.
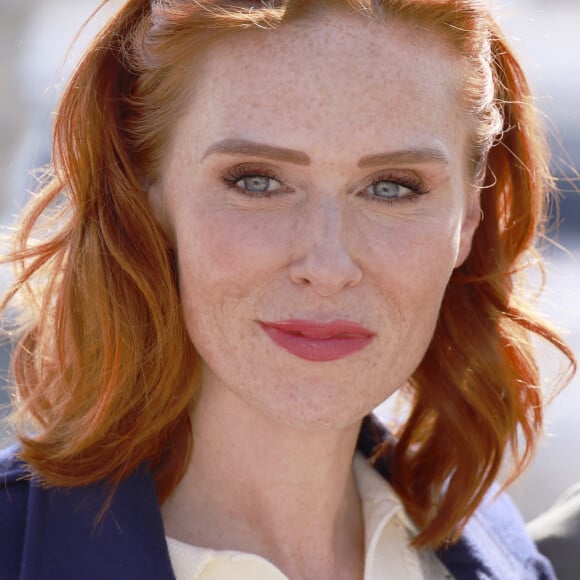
{"type": "Point", "coordinates": [338, 91]}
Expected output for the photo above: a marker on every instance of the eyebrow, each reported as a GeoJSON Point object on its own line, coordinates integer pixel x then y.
{"type": "Point", "coordinates": [405, 157]}
{"type": "Point", "coordinates": [253, 149]}
{"type": "Point", "coordinates": [250, 148]}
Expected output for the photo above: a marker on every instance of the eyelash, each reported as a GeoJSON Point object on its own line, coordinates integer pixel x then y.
{"type": "Point", "coordinates": [231, 177]}
{"type": "Point", "coordinates": [414, 184]}
{"type": "Point", "coordinates": [234, 175]}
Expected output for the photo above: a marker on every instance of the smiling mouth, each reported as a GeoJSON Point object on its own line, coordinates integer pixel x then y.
{"type": "Point", "coordinates": [318, 341]}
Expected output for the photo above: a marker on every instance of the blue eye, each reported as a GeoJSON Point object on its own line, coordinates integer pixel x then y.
{"type": "Point", "coordinates": [390, 189]}
{"type": "Point", "coordinates": [258, 184]}
{"type": "Point", "coordinates": [254, 180]}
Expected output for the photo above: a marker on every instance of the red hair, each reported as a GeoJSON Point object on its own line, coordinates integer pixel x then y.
{"type": "Point", "coordinates": [105, 369]}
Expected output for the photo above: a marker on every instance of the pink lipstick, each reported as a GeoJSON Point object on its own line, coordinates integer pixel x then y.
{"type": "Point", "coordinates": [318, 341]}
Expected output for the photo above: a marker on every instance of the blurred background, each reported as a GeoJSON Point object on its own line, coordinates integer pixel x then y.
{"type": "Point", "coordinates": [36, 34]}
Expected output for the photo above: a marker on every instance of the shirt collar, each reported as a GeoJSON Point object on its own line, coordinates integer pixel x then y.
{"type": "Point", "coordinates": [387, 533]}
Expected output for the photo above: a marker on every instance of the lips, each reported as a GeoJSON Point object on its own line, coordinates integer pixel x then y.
{"type": "Point", "coordinates": [318, 341]}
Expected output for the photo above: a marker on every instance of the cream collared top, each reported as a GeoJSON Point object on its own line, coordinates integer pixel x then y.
{"type": "Point", "coordinates": [387, 551]}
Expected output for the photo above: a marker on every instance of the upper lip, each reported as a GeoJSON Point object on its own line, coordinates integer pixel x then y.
{"type": "Point", "coordinates": [321, 330]}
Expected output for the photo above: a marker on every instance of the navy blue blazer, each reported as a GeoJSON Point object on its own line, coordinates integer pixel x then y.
{"type": "Point", "coordinates": [51, 534]}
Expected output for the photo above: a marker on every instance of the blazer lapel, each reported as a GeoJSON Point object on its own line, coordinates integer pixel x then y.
{"type": "Point", "coordinates": [64, 541]}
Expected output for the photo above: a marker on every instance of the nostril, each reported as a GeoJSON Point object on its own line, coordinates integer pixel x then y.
{"type": "Point", "coordinates": [327, 272]}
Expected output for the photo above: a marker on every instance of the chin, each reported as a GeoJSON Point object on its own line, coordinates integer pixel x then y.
{"type": "Point", "coordinates": [316, 416]}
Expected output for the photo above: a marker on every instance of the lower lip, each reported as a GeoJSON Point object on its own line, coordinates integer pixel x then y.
{"type": "Point", "coordinates": [317, 349]}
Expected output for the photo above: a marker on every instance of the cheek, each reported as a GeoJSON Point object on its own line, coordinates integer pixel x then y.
{"type": "Point", "coordinates": [228, 251]}
{"type": "Point", "coordinates": [226, 262]}
{"type": "Point", "coordinates": [415, 250]}
{"type": "Point", "coordinates": [411, 268]}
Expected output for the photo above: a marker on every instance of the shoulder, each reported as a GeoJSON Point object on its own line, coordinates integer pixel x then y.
{"type": "Point", "coordinates": [80, 532]}
{"type": "Point", "coordinates": [14, 491]}
{"type": "Point", "coordinates": [13, 477]}
{"type": "Point", "coordinates": [557, 533]}
{"type": "Point", "coordinates": [497, 537]}
{"type": "Point", "coordinates": [494, 544]}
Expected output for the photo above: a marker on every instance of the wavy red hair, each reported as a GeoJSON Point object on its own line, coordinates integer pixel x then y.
{"type": "Point", "coordinates": [104, 368]}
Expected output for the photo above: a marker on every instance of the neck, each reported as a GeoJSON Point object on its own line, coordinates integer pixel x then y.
{"type": "Point", "coordinates": [257, 486]}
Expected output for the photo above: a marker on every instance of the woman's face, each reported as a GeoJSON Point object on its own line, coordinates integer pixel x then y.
{"type": "Point", "coordinates": [317, 176]}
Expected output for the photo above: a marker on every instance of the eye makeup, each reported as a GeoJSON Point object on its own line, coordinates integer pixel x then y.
{"type": "Point", "coordinates": [254, 180]}
{"type": "Point", "coordinates": [258, 180]}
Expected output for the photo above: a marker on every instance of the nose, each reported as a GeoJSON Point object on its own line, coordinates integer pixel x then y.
{"type": "Point", "coordinates": [323, 260]}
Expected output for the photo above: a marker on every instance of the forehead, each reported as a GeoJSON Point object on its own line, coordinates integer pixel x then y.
{"type": "Point", "coordinates": [338, 78]}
